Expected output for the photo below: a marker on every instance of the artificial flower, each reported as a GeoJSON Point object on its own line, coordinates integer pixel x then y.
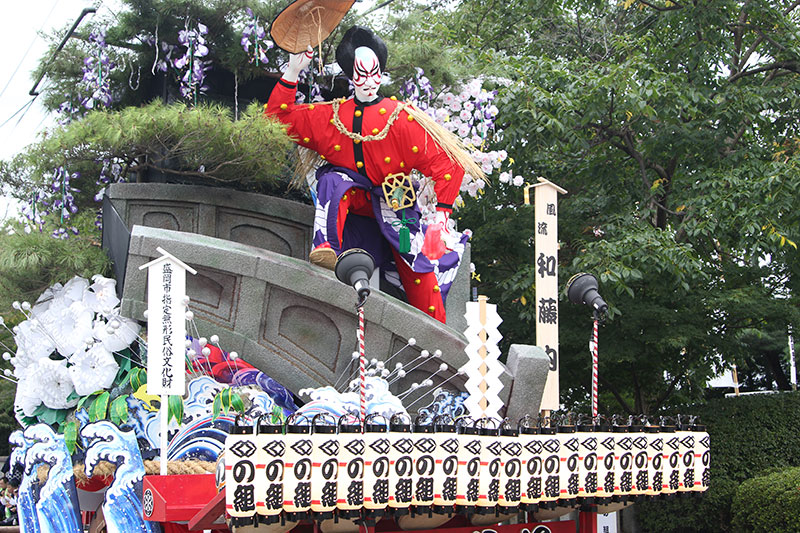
{"type": "Point", "coordinates": [50, 381]}
{"type": "Point", "coordinates": [102, 296]}
{"type": "Point", "coordinates": [92, 370]}
{"type": "Point", "coordinates": [116, 334]}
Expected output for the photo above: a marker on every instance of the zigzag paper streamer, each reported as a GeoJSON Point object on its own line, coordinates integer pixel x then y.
{"type": "Point", "coordinates": [483, 369]}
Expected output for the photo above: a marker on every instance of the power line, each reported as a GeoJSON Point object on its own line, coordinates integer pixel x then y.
{"type": "Point", "coordinates": [24, 107]}
{"type": "Point", "coordinates": [30, 46]}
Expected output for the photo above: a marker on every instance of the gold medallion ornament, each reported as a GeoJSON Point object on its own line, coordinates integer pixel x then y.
{"type": "Point", "coordinates": [398, 191]}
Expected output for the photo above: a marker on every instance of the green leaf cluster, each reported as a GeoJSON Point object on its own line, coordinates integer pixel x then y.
{"type": "Point", "coordinates": [751, 437]}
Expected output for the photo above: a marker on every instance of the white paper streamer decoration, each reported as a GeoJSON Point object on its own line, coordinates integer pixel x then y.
{"type": "Point", "coordinates": [483, 368]}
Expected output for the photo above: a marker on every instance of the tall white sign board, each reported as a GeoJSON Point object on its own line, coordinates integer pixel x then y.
{"type": "Point", "coordinates": [545, 204]}
{"type": "Point", "coordinates": [166, 334]}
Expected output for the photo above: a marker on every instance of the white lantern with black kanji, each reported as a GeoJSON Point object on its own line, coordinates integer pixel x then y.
{"type": "Point", "coordinates": [623, 446]}
{"type": "Point", "coordinates": [446, 457]}
{"type": "Point", "coordinates": [351, 470]}
{"type": "Point", "coordinates": [587, 457]}
{"type": "Point", "coordinates": [671, 456]}
{"type": "Point", "coordinates": [532, 462]}
{"type": "Point", "coordinates": [425, 468]}
{"type": "Point", "coordinates": [325, 467]}
{"type": "Point", "coordinates": [402, 471]}
{"type": "Point", "coordinates": [606, 478]}
{"type": "Point", "coordinates": [489, 478]}
{"type": "Point", "coordinates": [469, 466]}
{"type": "Point", "coordinates": [655, 460]}
{"type": "Point", "coordinates": [551, 459]}
{"type": "Point", "coordinates": [269, 468]}
{"type": "Point", "coordinates": [298, 470]}
{"type": "Point", "coordinates": [702, 455]}
{"type": "Point", "coordinates": [376, 468]}
{"type": "Point", "coordinates": [686, 452]}
{"type": "Point", "coordinates": [240, 473]}
{"type": "Point", "coordinates": [569, 473]}
{"type": "Point", "coordinates": [510, 469]}
{"type": "Point", "coordinates": [639, 474]}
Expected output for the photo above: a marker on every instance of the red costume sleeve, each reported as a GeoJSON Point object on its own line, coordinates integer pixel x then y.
{"type": "Point", "coordinates": [300, 119]}
{"type": "Point", "coordinates": [431, 160]}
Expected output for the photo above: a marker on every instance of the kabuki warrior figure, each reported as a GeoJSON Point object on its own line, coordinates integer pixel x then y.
{"type": "Point", "coordinates": [365, 196]}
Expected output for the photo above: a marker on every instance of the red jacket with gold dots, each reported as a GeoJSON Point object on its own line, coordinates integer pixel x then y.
{"type": "Point", "coordinates": [406, 146]}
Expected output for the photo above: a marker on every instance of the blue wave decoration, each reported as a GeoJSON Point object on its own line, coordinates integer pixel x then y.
{"type": "Point", "coordinates": [122, 504]}
{"type": "Point", "coordinates": [26, 506]}
{"type": "Point", "coordinates": [57, 505]}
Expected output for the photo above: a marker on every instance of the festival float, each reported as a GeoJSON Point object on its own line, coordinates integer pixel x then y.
{"type": "Point", "coordinates": [223, 382]}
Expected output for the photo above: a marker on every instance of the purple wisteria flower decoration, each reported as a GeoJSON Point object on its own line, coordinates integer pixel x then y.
{"type": "Point", "coordinates": [254, 40]}
{"type": "Point", "coordinates": [314, 93]}
{"type": "Point", "coordinates": [57, 198]}
{"type": "Point", "coordinates": [191, 64]}
{"type": "Point", "coordinates": [110, 172]}
{"type": "Point", "coordinates": [96, 70]}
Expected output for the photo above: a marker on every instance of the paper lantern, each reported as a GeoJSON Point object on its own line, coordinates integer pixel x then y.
{"type": "Point", "coordinates": [510, 469]}
{"type": "Point", "coordinates": [446, 458]}
{"type": "Point", "coordinates": [402, 471]}
{"type": "Point", "coordinates": [325, 468]}
{"type": "Point", "coordinates": [469, 467]}
{"type": "Point", "coordinates": [671, 460]}
{"type": "Point", "coordinates": [489, 474]}
{"type": "Point", "coordinates": [686, 452]}
{"type": "Point", "coordinates": [376, 468]}
{"type": "Point", "coordinates": [240, 472]}
{"type": "Point", "coordinates": [623, 468]}
{"type": "Point", "coordinates": [655, 462]}
{"type": "Point", "coordinates": [551, 462]}
{"type": "Point", "coordinates": [639, 475]}
{"type": "Point", "coordinates": [297, 470]}
{"type": "Point", "coordinates": [587, 457]}
{"type": "Point", "coordinates": [569, 474]}
{"type": "Point", "coordinates": [425, 468]}
{"type": "Point", "coordinates": [606, 462]}
{"type": "Point", "coordinates": [702, 455]}
{"type": "Point", "coordinates": [269, 471]}
{"type": "Point", "coordinates": [351, 471]}
{"type": "Point", "coordinates": [531, 477]}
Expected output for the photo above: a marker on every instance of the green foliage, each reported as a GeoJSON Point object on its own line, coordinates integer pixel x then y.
{"type": "Point", "coordinates": [70, 432]}
{"type": "Point", "coordinates": [200, 144]}
{"type": "Point", "coordinates": [119, 410]}
{"type": "Point", "coordinates": [175, 408]}
{"type": "Point", "coordinates": [137, 378]}
{"type": "Point", "coordinates": [98, 410]}
{"type": "Point", "coordinates": [225, 401]}
{"type": "Point", "coordinates": [32, 262]}
{"type": "Point", "coordinates": [750, 436]}
{"type": "Point", "coordinates": [769, 504]}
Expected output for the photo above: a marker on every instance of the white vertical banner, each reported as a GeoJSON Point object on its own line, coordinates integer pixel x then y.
{"type": "Point", "coordinates": [545, 204]}
{"type": "Point", "coordinates": [166, 324]}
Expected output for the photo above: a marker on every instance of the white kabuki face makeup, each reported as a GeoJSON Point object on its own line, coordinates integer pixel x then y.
{"type": "Point", "coordinates": [367, 75]}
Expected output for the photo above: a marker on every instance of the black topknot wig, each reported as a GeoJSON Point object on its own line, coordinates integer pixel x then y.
{"type": "Point", "coordinates": [353, 38]}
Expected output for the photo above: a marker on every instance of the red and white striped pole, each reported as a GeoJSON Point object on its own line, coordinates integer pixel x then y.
{"type": "Point", "coordinates": [593, 349]}
{"type": "Point", "coordinates": [362, 364]}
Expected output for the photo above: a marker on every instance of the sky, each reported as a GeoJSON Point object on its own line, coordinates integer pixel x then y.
{"type": "Point", "coordinates": [21, 49]}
